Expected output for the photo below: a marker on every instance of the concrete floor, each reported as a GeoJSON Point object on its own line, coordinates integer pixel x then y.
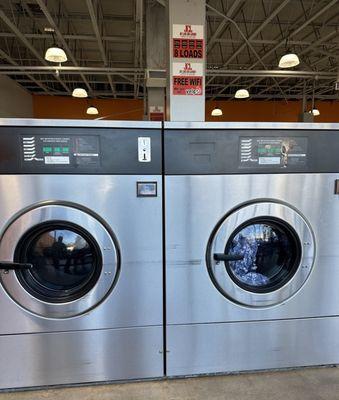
{"type": "Point", "coordinates": [308, 384]}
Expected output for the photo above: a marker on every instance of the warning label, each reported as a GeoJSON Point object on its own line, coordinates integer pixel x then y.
{"type": "Point", "coordinates": [188, 41]}
{"type": "Point", "coordinates": [188, 79]}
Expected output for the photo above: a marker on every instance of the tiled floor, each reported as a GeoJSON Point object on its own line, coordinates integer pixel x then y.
{"type": "Point", "coordinates": [308, 384]}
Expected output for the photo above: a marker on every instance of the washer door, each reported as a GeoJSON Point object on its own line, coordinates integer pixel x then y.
{"type": "Point", "coordinates": [65, 261]}
{"type": "Point", "coordinates": [261, 254]}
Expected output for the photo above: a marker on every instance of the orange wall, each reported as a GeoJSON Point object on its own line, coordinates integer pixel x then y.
{"type": "Point", "coordinates": [271, 111]}
{"type": "Point", "coordinates": [69, 107]}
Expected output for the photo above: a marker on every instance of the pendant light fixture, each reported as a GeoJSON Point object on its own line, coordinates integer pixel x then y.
{"type": "Point", "coordinates": [289, 59]}
{"type": "Point", "coordinates": [241, 94]}
{"type": "Point", "coordinates": [54, 53]}
{"type": "Point", "coordinates": [314, 111]}
{"type": "Point", "coordinates": [216, 112]}
{"type": "Point", "coordinates": [91, 110]}
{"type": "Point", "coordinates": [80, 93]}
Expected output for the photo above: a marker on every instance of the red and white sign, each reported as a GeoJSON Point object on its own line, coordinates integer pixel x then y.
{"type": "Point", "coordinates": [156, 113]}
{"type": "Point", "coordinates": [188, 79]}
{"type": "Point", "coordinates": [188, 41]}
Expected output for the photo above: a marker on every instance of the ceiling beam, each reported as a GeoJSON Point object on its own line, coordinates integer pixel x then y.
{"type": "Point", "coordinates": [316, 15]}
{"type": "Point", "coordinates": [140, 71]}
{"type": "Point", "coordinates": [99, 41]}
{"type": "Point", "coordinates": [256, 32]}
{"type": "Point", "coordinates": [31, 48]}
{"type": "Point", "coordinates": [161, 2]}
{"type": "Point", "coordinates": [10, 60]}
{"type": "Point", "coordinates": [89, 38]}
{"type": "Point", "coordinates": [268, 41]}
{"type": "Point", "coordinates": [311, 48]}
{"type": "Point", "coordinates": [275, 96]}
{"type": "Point", "coordinates": [61, 38]}
{"type": "Point", "coordinates": [222, 26]}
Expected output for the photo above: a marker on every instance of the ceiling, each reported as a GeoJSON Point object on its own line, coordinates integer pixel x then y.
{"type": "Point", "coordinates": [243, 36]}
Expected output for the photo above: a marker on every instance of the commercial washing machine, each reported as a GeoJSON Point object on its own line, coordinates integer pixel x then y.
{"type": "Point", "coordinates": [252, 255]}
{"type": "Point", "coordinates": [80, 252]}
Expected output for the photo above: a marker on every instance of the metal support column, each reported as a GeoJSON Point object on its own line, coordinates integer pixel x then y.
{"type": "Point", "coordinates": [305, 116]}
{"type": "Point", "coordinates": [156, 58]}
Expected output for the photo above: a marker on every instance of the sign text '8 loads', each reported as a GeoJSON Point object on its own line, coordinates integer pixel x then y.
{"type": "Point", "coordinates": [188, 41]}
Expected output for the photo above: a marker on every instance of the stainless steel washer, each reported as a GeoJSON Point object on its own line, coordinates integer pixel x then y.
{"type": "Point", "coordinates": [80, 252]}
{"type": "Point", "coordinates": [252, 258]}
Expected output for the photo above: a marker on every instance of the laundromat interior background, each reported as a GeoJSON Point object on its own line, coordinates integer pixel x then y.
{"type": "Point", "coordinates": [169, 199]}
{"type": "Point", "coordinates": [130, 40]}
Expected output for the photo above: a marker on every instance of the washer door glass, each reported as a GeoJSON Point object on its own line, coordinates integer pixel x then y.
{"type": "Point", "coordinates": [269, 253]}
{"type": "Point", "coordinates": [66, 262]}
{"type": "Point", "coordinates": [260, 254]}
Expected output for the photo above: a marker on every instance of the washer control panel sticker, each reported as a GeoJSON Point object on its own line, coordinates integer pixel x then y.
{"type": "Point", "coordinates": [144, 149]}
{"type": "Point", "coordinates": [147, 189]}
{"type": "Point", "coordinates": [61, 150]}
{"type": "Point", "coordinates": [280, 152]}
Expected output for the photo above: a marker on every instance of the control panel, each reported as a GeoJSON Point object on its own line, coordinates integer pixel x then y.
{"type": "Point", "coordinates": [61, 150]}
{"type": "Point", "coordinates": [250, 151]}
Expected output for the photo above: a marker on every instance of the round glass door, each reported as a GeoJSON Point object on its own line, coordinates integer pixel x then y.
{"type": "Point", "coordinates": [66, 262]}
{"type": "Point", "coordinates": [261, 254]}
{"type": "Point", "coordinates": [269, 252]}
{"type": "Point", "coordinates": [74, 261]}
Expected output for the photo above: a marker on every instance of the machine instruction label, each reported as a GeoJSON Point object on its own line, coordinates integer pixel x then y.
{"type": "Point", "coordinates": [280, 152]}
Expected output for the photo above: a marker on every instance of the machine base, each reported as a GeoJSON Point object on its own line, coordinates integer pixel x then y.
{"type": "Point", "coordinates": [48, 359]}
{"type": "Point", "coordinates": [248, 346]}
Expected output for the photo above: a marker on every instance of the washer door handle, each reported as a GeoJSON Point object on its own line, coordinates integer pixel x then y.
{"type": "Point", "coordinates": [227, 257]}
{"type": "Point", "coordinates": [14, 265]}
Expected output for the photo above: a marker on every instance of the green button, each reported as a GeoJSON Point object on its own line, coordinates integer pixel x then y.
{"type": "Point", "coordinates": [57, 149]}
{"type": "Point", "coordinates": [65, 149]}
{"type": "Point", "coordinates": [47, 149]}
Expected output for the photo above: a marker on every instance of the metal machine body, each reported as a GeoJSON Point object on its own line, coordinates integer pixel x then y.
{"type": "Point", "coordinates": [80, 252]}
{"type": "Point", "coordinates": [252, 256]}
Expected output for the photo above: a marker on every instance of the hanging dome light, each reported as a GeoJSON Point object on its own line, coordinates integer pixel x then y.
{"type": "Point", "coordinates": [55, 54]}
{"type": "Point", "coordinates": [80, 93]}
{"type": "Point", "coordinates": [216, 112]}
{"type": "Point", "coordinates": [315, 112]}
{"type": "Point", "coordinates": [91, 110]}
{"type": "Point", "coordinates": [289, 60]}
{"type": "Point", "coordinates": [241, 94]}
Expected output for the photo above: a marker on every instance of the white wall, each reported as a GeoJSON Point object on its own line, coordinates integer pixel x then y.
{"type": "Point", "coordinates": [15, 102]}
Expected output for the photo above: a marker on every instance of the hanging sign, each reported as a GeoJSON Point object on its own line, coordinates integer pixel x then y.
{"type": "Point", "coordinates": [188, 41]}
{"type": "Point", "coordinates": [187, 79]}
{"type": "Point", "coordinates": [156, 113]}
